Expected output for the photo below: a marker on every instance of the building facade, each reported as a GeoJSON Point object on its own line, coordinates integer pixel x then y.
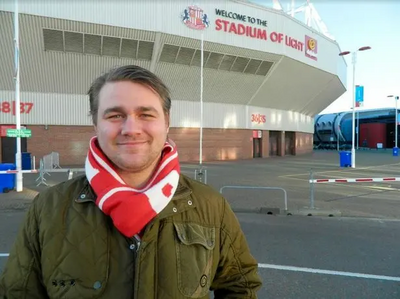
{"type": "Point", "coordinates": [265, 74]}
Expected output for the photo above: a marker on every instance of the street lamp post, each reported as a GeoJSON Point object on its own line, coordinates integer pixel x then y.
{"type": "Point", "coordinates": [396, 98]}
{"type": "Point", "coordinates": [358, 128]}
{"type": "Point", "coordinates": [354, 60]}
{"type": "Point", "coordinates": [18, 177]}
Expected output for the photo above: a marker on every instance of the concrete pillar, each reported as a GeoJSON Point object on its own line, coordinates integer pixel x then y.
{"type": "Point", "coordinates": [265, 144]}
{"type": "Point", "coordinates": [281, 144]}
{"type": "Point", "coordinates": [296, 143]}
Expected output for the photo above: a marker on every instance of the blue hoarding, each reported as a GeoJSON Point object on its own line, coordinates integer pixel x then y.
{"type": "Point", "coordinates": [359, 93]}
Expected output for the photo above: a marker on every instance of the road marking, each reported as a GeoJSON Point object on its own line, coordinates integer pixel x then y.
{"type": "Point", "coordinates": [296, 179]}
{"type": "Point", "coordinates": [329, 272]}
{"type": "Point", "coordinates": [311, 270]}
{"type": "Point", "coordinates": [369, 174]}
{"type": "Point", "coordinates": [383, 188]}
{"type": "Point", "coordinates": [384, 171]}
{"type": "Point", "coordinates": [318, 163]}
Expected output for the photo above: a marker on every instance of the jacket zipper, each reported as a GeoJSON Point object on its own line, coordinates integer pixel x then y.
{"type": "Point", "coordinates": [136, 242]}
{"type": "Point", "coordinates": [135, 245]}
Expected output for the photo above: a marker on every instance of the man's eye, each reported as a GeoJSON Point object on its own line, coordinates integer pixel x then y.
{"type": "Point", "coordinates": [115, 116]}
{"type": "Point", "coordinates": [147, 115]}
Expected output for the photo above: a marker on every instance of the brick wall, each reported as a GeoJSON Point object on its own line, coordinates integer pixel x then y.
{"type": "Point", "coordinates": [304, 143]}
{"type": "Point", "coordinates": [265, 144]}
{"type": "Point", "coordinates": [72, 142]}
{"type": "Point", "coordinates": [218, 144]}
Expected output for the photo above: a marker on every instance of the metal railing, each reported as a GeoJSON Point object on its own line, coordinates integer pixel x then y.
{"type": "Point", "coordinates": [312, 181]}
{"type": "Point", "coordinates": [51, 163]}
{"type": "Point", "coordinates": [69, 171]}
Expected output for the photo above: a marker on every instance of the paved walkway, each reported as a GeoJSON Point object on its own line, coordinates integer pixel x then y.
{"type": "Point", "coordinates": [380, 200]}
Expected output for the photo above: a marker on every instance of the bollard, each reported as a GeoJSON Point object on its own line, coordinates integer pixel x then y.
{"type": "Point", "coordinates": [201, 175]}
{"type": "Point", "coordinates": [70, 174]}
{"type": "Point", "coordinates": [311, 190]}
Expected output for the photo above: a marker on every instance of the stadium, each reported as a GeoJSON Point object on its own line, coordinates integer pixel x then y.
{"type": "Point", "coordinates": [249, 78]}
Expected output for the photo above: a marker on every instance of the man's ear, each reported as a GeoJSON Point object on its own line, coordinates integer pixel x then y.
{"type": "Point", "coordinates": [167, 121]}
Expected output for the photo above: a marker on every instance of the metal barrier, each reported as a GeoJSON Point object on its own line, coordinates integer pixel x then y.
{"type": "Point", "coordinates": [43, 171]}
{"type": "Point", "coordinates": [16, 171]}
{"type": "Point", "coordinates": [313, 181]}
{"type": "Point", "coordinates": [32, 170]}
{"type": "Point", "coordinates": [51, 163]}
{"type": "Point", "coordinates": [264, 188]}
{"type": "Point", "coordinates": [55, 159]}
{"type": "Point", "coordinates": [71, 172]}
{"type": "Point", "coordinates": [47, 162]}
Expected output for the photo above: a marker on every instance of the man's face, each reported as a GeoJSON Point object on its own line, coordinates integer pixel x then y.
{"type": "Point", "coordinates": [131, 125]}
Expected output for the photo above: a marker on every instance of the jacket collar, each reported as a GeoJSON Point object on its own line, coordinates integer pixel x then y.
{"type": "Point", "coordinates": [87, 194]}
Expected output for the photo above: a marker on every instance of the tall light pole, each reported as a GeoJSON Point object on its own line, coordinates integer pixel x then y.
{"type": "Point", "coordinates": [396, 98]}
{"type": "Point", "coordinates": [18, 162]}
{"type": "Point", "coordinates": [201, 100]}
{"type": "Point", "coordinates": [354, 60]}
{"type": "Point", "coordinates": [358, 128]}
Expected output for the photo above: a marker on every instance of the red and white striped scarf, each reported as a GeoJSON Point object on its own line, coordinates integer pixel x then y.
{"type": "Point", "coordinates": [131, 209]}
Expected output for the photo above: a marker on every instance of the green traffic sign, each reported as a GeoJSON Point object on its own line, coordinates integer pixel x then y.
{"type": "Point", "coordinates": [24, 133]}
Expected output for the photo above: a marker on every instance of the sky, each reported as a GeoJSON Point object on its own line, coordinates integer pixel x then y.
{"type": "Point", "coordinates": [358, 23]}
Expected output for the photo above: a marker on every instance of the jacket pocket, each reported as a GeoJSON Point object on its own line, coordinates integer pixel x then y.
{"type": "Point", "coordinates": [194, 254]}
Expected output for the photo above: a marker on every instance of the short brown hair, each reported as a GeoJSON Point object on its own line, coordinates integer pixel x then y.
{"type": "Point", "coordinates": [131, 73]}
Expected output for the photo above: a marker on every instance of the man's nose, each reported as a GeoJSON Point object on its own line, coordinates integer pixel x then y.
{"type": "Point", "coordinates": [131, 126]}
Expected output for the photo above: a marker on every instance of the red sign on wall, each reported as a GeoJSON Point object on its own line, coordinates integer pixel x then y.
{"type": "Point", "coordinates": [250, 28]}
{"type": "Point", "coordinates": [257, 134]}
{"type": "Point", "coordinates": [9, 107]}
{"type": "Point", "coordinates": [258, 118]}
{"type": "Point", "coordinates": [4, 128]}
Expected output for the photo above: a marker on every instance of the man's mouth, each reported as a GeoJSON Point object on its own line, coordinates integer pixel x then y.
{"type": "Point", "coordinates": [131, 143]}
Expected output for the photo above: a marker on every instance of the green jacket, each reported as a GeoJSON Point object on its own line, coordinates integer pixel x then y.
{"type": "Point", "coordinates": [68, 248]}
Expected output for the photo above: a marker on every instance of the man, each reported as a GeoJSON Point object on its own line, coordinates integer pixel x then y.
{"type": "Point", "coordinates": [132, 226]}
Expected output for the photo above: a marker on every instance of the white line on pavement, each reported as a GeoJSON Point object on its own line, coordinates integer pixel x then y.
{"type": "Point", "coordinates": [311, 270]}
{"type": "Point", "coordinates": [329, 272]}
